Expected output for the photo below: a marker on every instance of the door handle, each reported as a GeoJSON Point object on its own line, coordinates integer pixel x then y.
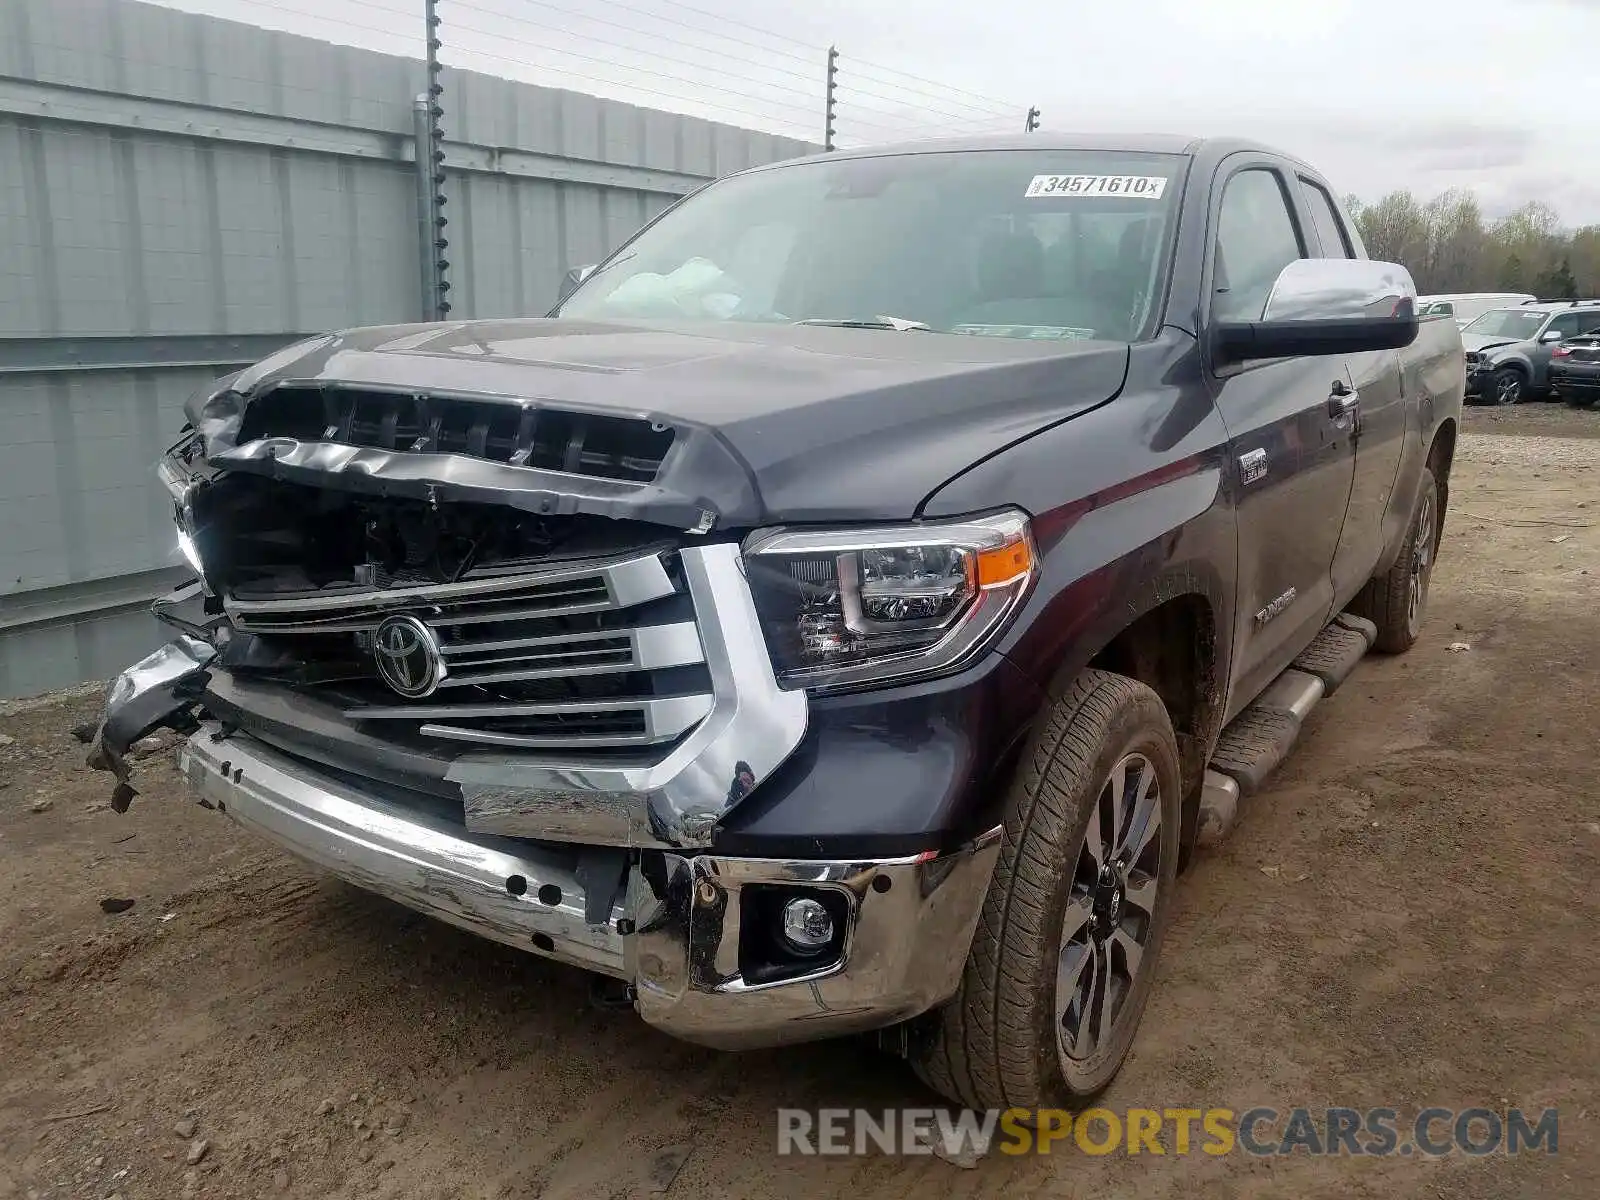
{"type": "Point", "coordinates": [1343, 401]}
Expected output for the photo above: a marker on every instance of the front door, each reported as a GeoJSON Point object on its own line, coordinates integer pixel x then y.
{"type": "Point", "coordinates": [1378, 415]}
{"type": "Point", "coordinates": [1293, 454]}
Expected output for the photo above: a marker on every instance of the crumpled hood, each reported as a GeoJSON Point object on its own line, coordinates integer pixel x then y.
{"type": "Point", "coordinates": [1479, 342]}
{"type": "Point", "coordinates": [815, 422]}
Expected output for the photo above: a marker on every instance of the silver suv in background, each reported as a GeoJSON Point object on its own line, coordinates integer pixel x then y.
{"type": "Point", "coordinates": [1508, 349]}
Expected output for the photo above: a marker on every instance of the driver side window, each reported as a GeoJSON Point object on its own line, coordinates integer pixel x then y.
{"type": "Point", "coordinates": [1256, 239]}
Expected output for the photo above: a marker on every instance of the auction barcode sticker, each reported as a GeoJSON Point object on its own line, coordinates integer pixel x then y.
{"type": "Point", "coordinates": [1141, 187]}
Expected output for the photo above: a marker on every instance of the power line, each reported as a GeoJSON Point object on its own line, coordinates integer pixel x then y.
{"type": "Point", "coordinates": [577, 54]}
{"type": "Point", "coordinates": [918, 107]}
{"type": "Point", "coordinates": [717, 34]}
{"type": "Point", "coordinates": [808, 92]}
{"type": "Point", "coordinates": [813, 53]}
{"type": "Point", "coordinates": [895, 116]}
{"type": "Point", "coordinates": [724, 19]}
{"type": "Point", "coordinates": [640, 89]}
{"type": "Point", "coordinates": [940, 89]}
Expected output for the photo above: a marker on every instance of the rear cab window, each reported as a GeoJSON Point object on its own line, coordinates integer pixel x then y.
{"type": "Point", "coordinates": [1330, 229]}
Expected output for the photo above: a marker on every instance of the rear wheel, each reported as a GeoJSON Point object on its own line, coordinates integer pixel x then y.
{"type": "Point", "coordinates": [1508, 386]}
{"type": "Point", "coordinates": [1396, 600]}
{"type": "Point", "coordinates": [1061, 964]}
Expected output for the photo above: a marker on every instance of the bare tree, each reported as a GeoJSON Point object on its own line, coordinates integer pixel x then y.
{"type": "Point", "coordinates": [1448, 246]}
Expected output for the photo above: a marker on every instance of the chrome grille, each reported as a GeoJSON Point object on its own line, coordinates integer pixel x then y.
{"type": "Point", "coordinates": [596, 655]}
{"type": "Point", "coordinates": [556, 592]}
{"type": "Point", "coordinates": [502, 660]}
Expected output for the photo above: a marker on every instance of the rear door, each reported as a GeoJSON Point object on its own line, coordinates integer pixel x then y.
{"type": "Point", "coordinates": [1378, 428]}
{"type": "Point", "coordinates": [1292, 463]}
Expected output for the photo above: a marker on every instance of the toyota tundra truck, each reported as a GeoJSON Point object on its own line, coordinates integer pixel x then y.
{"type": "Point", "coordinates": [846, 610]}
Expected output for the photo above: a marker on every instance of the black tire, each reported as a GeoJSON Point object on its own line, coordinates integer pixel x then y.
{"type": "Point", "coordinates": [1396, 600]}
{"type": "Point", "coordinates": [996, 1044]}
{"type": "Point", "coordinates": [1508, 385]}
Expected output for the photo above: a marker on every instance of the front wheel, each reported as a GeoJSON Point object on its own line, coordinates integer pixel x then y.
{"type": "Point", "coordinates": [1508, 386]}
{"type": "Point", "coordinates": [1396, 600]}
{"type": "Point", "coordinates": [1061, 964]}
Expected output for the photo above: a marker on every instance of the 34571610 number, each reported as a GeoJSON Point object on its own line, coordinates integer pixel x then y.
{"type": "Point", "coordinates": [1138, 187]}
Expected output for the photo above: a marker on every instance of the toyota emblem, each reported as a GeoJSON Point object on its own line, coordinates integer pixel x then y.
{"type": "Point", "coordinates": [408, 656]}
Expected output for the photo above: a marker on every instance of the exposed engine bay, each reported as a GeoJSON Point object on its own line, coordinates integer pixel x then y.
{"type": "Point", "coordinates": [262, 538]}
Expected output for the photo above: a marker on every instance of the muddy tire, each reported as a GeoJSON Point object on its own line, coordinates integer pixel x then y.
{"type": "Point", "coordinates": [1396, 600]}
{"type": "Point", "coordinates": [1062, 960]}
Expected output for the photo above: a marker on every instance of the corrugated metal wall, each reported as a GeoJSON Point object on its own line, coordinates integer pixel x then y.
{"type": "Point", "coordinates": [179, 195]}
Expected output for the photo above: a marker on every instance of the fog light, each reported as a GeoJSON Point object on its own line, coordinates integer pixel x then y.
{"type": "Point", "coordinates": [807, 927]}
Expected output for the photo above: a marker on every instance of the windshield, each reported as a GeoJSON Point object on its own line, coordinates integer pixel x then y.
{"type": "Point", "coordinates": [1518, 323]}
{"type": "Point", "coordinates": [999, 243]}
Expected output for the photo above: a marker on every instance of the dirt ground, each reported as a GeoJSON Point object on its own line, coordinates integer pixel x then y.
{"type": "Point", "coordinates": [1407, 916]}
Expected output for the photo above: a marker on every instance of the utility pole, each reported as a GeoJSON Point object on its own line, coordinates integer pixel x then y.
{"type": "Point", "coordinates": [827, 108]}
{"type": "Point", "coordinates": [1033, 121]}
{"type": "Point", "coordinates": [428, 138]}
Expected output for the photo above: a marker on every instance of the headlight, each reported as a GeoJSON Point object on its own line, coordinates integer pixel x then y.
{"type": "Point", "coordinates": [186, 544]}
{"type": "Point", "coordinates": [177, 474]}
{"type": "Point", "coordinates": [845, 608]}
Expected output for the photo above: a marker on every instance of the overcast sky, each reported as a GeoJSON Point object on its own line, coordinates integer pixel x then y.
{"type": "Point", "coordinates": [1500, 96]}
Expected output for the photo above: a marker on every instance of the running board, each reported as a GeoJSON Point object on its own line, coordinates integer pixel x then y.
{"type": "Point", "coordinates": [1257, 741]}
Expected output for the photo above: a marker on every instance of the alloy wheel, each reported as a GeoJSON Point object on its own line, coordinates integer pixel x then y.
{"type": "Point", "coordinates": [1422, 547]}
{"type": "Point", "coordinates": [1111, 911]}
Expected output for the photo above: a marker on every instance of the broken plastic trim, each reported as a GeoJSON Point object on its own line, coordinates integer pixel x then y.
{"type": "Point", "coordinates": [159, 691]}
{"type": "Point", "coordinates": [701, 485]}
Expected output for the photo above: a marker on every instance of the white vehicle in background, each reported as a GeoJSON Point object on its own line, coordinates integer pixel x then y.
{"type": "Point", "coordinates": [1467, 307]}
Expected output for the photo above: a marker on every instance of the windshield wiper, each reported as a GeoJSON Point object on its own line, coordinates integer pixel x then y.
{"type": "Point", "coordinates": [899, 324]}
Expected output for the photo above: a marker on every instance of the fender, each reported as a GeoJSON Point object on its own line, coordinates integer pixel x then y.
{"type": "Point", "coordinates": [1132, 507]}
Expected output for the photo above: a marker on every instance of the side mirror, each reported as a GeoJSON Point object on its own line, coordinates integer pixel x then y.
{"type": "Point", "coordinates": [571, 280]}
{"type": "Point", "coordinates": [1328, 306]}
{"type": "Point", "coordinates": [1551, 335]}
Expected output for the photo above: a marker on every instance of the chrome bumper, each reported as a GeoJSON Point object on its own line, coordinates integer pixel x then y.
{"type": "Point", "coordinates": [674, 932]}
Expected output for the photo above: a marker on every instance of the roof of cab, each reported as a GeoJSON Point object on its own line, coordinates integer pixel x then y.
{"type": "Point", "coordinates": [1210, 149]}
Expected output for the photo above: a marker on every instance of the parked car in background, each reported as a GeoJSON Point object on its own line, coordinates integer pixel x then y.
{"type": "Point", "coordinates": [1575, 370]}
{"type": "Point", "coordinates": [1509, 349]}
{"type": "Point", "coordinates": [1467, 307]}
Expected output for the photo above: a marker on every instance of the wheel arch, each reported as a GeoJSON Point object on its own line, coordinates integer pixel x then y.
{"type": "Point", "coordinates": [1441, 456]}
{"type": "Point", "coordinates": [1173, 648]}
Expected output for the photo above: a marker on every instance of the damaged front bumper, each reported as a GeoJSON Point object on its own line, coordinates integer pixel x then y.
{"type": "Point", "coordinates": [690, 933]}
{"type": "Point", "coordinates": [158, 692]}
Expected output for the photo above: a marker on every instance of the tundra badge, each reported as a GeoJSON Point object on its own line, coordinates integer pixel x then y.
{"type": "Point", "coordinates": [1273, 609]}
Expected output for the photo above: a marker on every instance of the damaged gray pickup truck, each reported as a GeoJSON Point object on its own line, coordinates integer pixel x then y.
{"type": "Point", "coordinates": [846, 610]}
